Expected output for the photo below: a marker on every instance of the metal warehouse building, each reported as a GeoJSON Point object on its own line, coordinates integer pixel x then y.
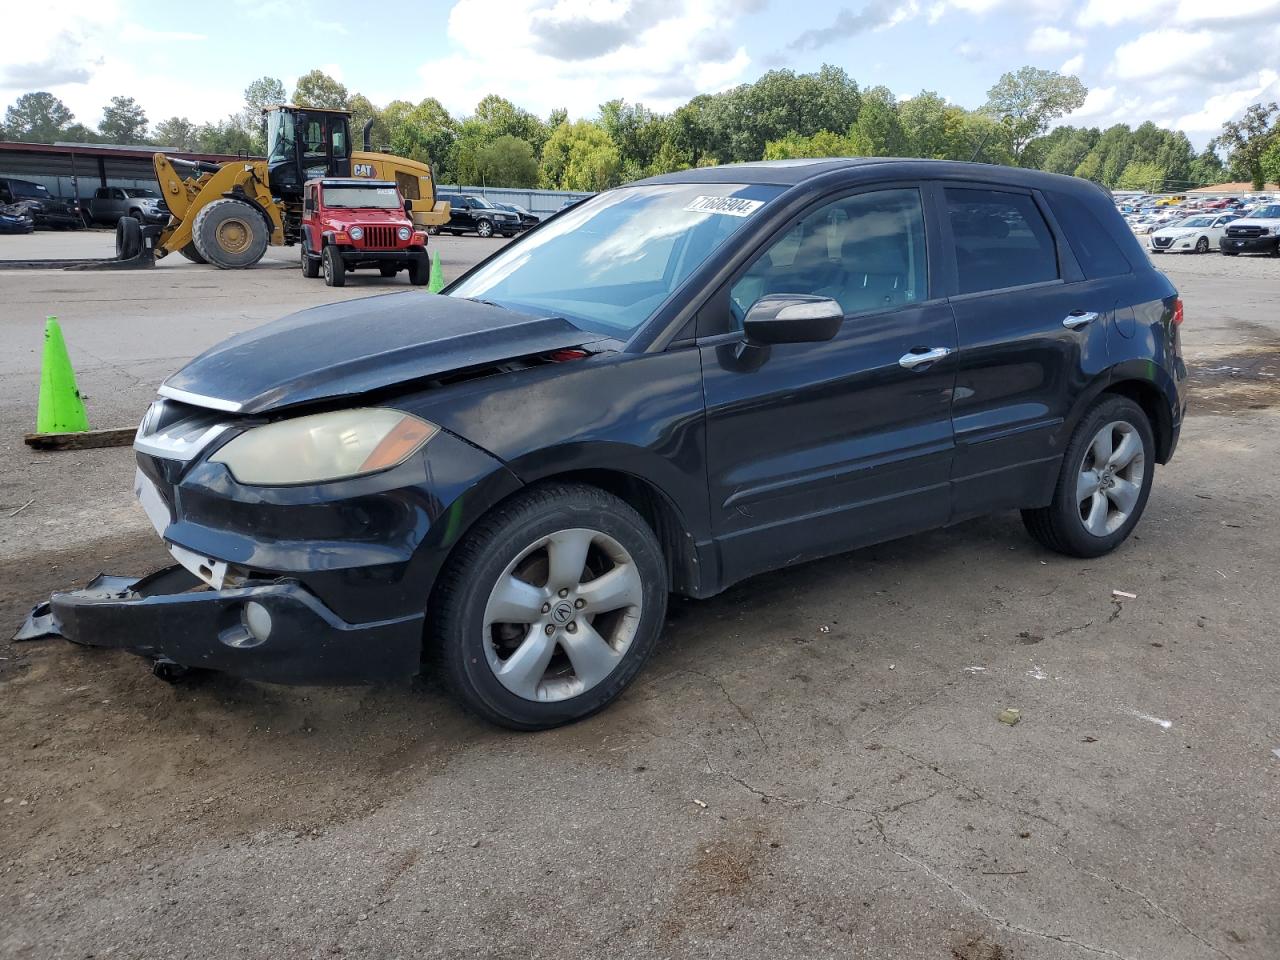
{"type": "Point", "coordinates": [77, 169]}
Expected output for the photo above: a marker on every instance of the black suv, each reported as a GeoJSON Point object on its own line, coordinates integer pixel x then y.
{"type": "Point", "coordinates": [471, 214]}
{"type": "Point", "coordinates": [507, 481]}
{"type": "Point", "coordinates": [46, 209]}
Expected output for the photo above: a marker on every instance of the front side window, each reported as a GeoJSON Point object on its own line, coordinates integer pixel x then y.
{"type": "Point", "coordinates": [867, 252]}
{"type": "Point", "coordinates": [281, 136]}
{"type": "Point", "coordinates": [1001, 240]}
{"type": "Point", "coordinates": [608, 263]}
{"type": "Point", "coordinates": [34, 191]}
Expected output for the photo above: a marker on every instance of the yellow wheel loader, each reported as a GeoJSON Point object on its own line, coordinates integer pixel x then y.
{"type": "Point", "coordinates": [228, 214]}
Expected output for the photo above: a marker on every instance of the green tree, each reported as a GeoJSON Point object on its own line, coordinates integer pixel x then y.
{"type": "Point", "coordinates": [1207, 169]}
{"type": "Point", "coordinates": [507, 162]}
{"type": "Point", "coordinates": [924, 124]}
{"type": "Point", "coordinates": [1270, 163]}
{"type": "Point", "coordinates": [227, 136]}
{"type": "Point", "coordinates": [38, 117]}
{"type": "Point", "coordinates": [499, 117]}
{"type": "Point", "coordinates": [258, 95]}
{"type": "Point", "coordinates": [580, 156]}
{"type": "Point", "coordinates": [1141, 175]}
{"type": "Point", "coordinates": [123, 121]}
{"type": "Point", "coordinates": [425, 132]}
{"type": "Point", "coordinates": [878, 131]}
{"type": "Point", "coordinates": [824, 143]}
{"type": "Point", "coordinates": [318, 89]}
{"type": "Point", "coordinates": [1063, 149]}
{"type": "Point", "coordinates": [362, 111]}
{"type": "Point", "coordinates": [638, 134]}
{"type": "Point", "coordinates": [175, 132]}
{"type": "Point", "coordinates": [1248, 139]}
{"type": "Point", "coordinates": [738, 123]}
{"type": "Point", "coordinates": [1029, 99]}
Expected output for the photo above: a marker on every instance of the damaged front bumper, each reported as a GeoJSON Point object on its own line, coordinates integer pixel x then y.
{"type": "Point", "coordinates": [275, 631]}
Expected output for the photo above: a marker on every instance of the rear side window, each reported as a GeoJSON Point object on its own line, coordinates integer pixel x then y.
{"type": "Point", "coordinates": [1001, 240]}
{"type": "Point", "coordinates": [1098, 254]}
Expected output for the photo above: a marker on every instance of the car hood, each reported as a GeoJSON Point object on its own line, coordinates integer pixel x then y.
{"type": "Point", "coordinates": [1272, 222]}
{"type": "Point", "coordinates": [349, 218]}
{"type": "Point", "coordinates": [1177, 231]}
{"type": "Point", "coordinates": [357, 346]}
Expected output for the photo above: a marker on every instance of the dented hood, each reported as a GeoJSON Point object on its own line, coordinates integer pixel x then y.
{"type": "Point", "coordinates": [356, 346]}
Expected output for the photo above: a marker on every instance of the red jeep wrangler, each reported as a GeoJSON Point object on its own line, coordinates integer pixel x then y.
{"type": "Point", "coordinates": [349, 224]}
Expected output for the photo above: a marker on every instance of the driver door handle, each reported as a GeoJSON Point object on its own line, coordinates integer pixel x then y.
{"type": "Point", "coordinates": [1078, 318]}
{"type": "Point", "coordinates": [914, 359]}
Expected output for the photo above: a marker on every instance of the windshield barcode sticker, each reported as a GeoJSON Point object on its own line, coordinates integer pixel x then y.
{"type": "Point", "coordinates": [731, 206]}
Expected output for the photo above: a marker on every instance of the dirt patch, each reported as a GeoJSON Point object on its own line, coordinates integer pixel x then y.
{"type": "Point", "coordinates": [99, 759]}
{"type": "Point", "coordinates": [976, 947]}
{"type": "Point", "coordinates": [721, 876]}
{"type": "Point", "coordinates": [1248, 379]}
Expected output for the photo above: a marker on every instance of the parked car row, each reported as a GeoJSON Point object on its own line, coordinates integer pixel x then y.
{"type": "Point", "coordinates": [47, 211]}
{"type": "Point", "coordinates": [1230, 225]}
{"type": "Point", "coordinates": [106, 206]}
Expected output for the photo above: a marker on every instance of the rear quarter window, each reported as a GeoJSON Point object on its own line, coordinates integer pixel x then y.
{"type": "Point", "coordinates": [1096, 251]}
{"type": "Point", "coordinates": [1001, 240]}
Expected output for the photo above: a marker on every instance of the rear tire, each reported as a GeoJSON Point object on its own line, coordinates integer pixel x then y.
{"type": "Point", "coordinates": [1104, 483]}
{"type": "Point", "coordinates": [388, 271]}
{"type": "Point", "coordinates": [433, 231]}
{"type": "Point", "coordinates": [192, 254]}
{"type": "Point", "coordinates": [580, 646]}
{"type": "Point", "coordinates": [310, 266]}
{"type": "Point", "coordinates": [128, 238]}
{"type": "Point", "coordinates": [335, 272]}
{"type": "Point", "coordinates": [230, 234]}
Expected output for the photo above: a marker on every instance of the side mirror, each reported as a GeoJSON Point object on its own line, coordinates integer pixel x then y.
{"type": "Point", "coordinates": [408, 208]}
{"type": "Point", "coordinates": [792, 318]}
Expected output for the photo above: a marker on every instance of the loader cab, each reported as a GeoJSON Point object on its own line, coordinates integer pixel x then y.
{"type": "Point", "coordinates": [305, 143]}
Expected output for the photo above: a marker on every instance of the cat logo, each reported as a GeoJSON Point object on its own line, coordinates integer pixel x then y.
{"type": "Point", "coordinates": [364, 170]}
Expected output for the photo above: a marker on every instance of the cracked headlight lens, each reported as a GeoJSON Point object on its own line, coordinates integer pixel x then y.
{"type": "Point", "coordinates": [324, 446]}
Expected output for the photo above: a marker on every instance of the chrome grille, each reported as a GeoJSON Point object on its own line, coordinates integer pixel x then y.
{"type": "Point", "coordinates": [175, 431]}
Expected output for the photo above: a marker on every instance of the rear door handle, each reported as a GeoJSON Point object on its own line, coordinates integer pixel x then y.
{"type": "Point", "coordinates": [1079, 318]}
{"type": "Point", "coordinates": [913, 359]}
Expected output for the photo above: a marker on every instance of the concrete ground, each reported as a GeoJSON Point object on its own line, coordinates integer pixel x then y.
{"type": "Point", "coordinates": [810, 767]}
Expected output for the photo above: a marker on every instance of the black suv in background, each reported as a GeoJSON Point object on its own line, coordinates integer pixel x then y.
{"type": "Point", "coordinates": [472, 214]}
{"type": "Point", "coordinates": [46, 209]}
{"type": "Point", "coordinates": [527, 220]}
{"type": "Point", "coordinates": [678, 384]}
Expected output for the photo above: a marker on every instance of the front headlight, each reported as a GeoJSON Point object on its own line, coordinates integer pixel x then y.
{"type": "Point", "coordinates": [404, 233]}
{"type": "Point", "coordinates": [325, 446]}
{"type": "Point", "coordinates": [355, 233]}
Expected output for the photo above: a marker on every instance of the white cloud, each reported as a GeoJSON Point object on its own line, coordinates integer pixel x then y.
{"type": "Point", "coordinates": [1108, 13]}
{"type": "Point", "coordinates": [1223, 106]}
{"type": "Point", "coordinates": [1047, 39]}
{"type": "Point", "coordinates": [1073, 66]}
{"type": "Point", "coordinates": [575, 54]}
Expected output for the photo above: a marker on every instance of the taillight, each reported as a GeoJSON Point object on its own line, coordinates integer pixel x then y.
{"type": "Point", "coordinates": [1177, 312]}
{"type": "Point", "coordinates": [560, 356]}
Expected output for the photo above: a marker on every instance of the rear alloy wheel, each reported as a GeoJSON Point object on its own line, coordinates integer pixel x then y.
{"type": "Point", "coordinates": [484, 228]}
{"type": "Point", "coordinates": [230, 234]}
{"type": "Point", "coordinates": [433, 231]}
{"type": "Point", "coordinates": [1104, 484]}
{"type": "Point", "coordinates": [1202, 245]}
{"type": "Point", "coordinates": [550, 606]}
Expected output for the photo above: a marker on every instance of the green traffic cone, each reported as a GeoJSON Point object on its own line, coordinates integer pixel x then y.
{"type": "Point", "coordinates": [60, 410]}
{"type": "Point", "coordinates": [436, 283]}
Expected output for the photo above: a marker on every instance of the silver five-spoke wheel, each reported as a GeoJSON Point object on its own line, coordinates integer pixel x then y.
{"type": "Point", "coordinates": [1110, 479]}
{"type": "Point", "coordinates": [562, 614]}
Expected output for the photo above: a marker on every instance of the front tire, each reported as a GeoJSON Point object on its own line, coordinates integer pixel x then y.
{"type": "Point", "coordinates": [484, 228]}
{"type": "Point", "coordinates": [420, 271]}
{"type": "Point", "coordinates": [230, 234]}
{"type": "Point", "coordinates": [1202, 245]}
{"type": "Point", "coordinates": [335, 271]}
{"type": "Point", "coordinates": [128, 238]}
{"type": "Point", "coordinates": [1104, 483]}
{"type": "Point", "coordinates": [549, 607]}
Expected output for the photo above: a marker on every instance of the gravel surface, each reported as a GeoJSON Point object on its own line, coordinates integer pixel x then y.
{"type": "Point", "coordinates": [812, 765]}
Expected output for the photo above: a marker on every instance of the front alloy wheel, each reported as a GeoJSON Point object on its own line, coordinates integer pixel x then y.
{"type": "Point", "coordinates": [550, 606]}
{"type": "Point", "coordinates": [484, 228]}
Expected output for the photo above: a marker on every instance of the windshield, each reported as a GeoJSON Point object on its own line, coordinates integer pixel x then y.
{"type": "Point", "coordinates": [139, 192]}
{"type": "Point", "coordinates": [383, 198]}
{"type": "Point", "coordinates": [1196, 222]}
{"type": "Point", "coordinates": [1269, 212]}
{"type": "Point", "coordinates": [36, 190]}
{"type": "Point", "coordinates": [480, 202]}
{"type": "Point", "coordinates": [607, 264]}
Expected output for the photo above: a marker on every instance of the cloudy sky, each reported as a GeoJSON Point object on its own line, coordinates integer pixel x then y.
{"type": "Point", "coordinates": [1184, 63]}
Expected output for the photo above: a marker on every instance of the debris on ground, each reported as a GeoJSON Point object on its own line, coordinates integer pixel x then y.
{"type": "Point", "coordinates": [1163, 724]}
{"type": "Point", "coordinates": [1125, 594]}
{"type": "Point", "coordinates": [1010, 716]}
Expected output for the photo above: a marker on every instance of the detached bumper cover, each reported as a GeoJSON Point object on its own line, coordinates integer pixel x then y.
{"type": "Point", "coordinates": [167, 616]}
